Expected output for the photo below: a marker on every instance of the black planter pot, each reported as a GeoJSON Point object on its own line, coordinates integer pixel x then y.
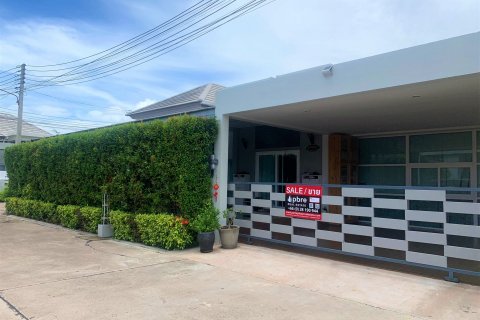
{"type": "Point", "coordinates": [206, 241]}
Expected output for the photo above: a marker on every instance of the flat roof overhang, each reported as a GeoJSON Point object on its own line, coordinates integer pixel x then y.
{"type": "Point", "coordinates": [446, 103]}
{"type": "Point", "coordinates": [435, 85]}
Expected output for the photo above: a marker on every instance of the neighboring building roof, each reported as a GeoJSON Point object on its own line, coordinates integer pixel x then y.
{"type": "Point", "coordinates": [192, 101]}
{"type": "Point", "coordinates": [8, 128]}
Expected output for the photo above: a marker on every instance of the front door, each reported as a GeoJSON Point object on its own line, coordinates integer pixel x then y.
{"type": "Point", "coordinates": [278, 166]}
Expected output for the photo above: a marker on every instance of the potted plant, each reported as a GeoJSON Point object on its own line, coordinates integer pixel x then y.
{"type": "Point", "coordinates": [229, 232]}
{"type": "Point", "coordinates": [205, 224]}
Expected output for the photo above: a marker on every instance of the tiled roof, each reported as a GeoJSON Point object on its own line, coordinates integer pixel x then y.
{"type": "Point", "coordinates": [204, 95]}
{"type": "Point", "coordinates": [8, 128]}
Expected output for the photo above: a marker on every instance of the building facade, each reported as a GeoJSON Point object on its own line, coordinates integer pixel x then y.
{"type": "Point", "coordinates": [393, 140]}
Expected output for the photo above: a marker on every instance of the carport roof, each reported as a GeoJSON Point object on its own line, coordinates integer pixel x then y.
{"type": "Point", "coordinates": [435, 85]}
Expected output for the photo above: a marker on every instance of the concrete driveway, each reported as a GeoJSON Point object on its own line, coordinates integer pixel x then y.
{"type": "Point", "coordinates": [47, 272]}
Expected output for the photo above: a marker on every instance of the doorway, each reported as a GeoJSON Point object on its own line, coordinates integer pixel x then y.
{"type": "Point", "coordinates": [278, 166]}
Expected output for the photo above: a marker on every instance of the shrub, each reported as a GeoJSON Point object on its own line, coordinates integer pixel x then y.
{"type": "Point", "coordinates": [12, 206]}
{"type": "Point", "coordinates": [90, 218]}
{"type": "Point", "coordinates": [4, 194]}
{"type": "Point", "coordinates": [207, 219]}
{"type": "Point", "coordinates": [157, 166]}
{"type": "Point", "coordinates": [124, 227]}
{"type": "Point", "coordinates": [31, 209]}
{"type": "Point", "coordinates": [43, 211]}
{"type": "Point", "coordinates": [163, 230]}
{"type": "Point", "coordinates": [69, 216]}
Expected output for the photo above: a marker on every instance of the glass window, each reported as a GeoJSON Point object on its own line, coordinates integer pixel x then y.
{"type": "Point", "coordinates": [478, 146]}
{"type": "Point", "coordinates": [382, 175]}
{"type": "Point", "coordinates": [389, 150]}
{"type": "Point", "coordinates": [425, 177]}
{"type": "Point", "coordinates": [444, 147]}
{"type": "Point", "coordinates": [266, 167]}
{"type": "Point", "coordinates": [455, 177]}
{"type": "Point", "coordinates": [449, 177]}
{"type": "Point", "coordinates": [478, 176]}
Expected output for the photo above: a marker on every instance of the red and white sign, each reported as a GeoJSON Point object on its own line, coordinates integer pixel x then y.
{"type": "Point", "coordinates": [304, 202]}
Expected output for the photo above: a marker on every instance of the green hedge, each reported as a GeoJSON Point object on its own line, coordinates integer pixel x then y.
{"type": "Point", "coordinates": [33, 209]}
{"type": "Point", "coordinates": [144, 167]}
{"type": "Point", "coordinates": [163, 230]}
{"type": "Point", "coordinates": [4, 194]}
{"type": "Point", "coordinates": [69, 216]}
{"type": "Point", "coordinates": [124, 227]}
{"type": "Point", "coordinates": [90, 218]}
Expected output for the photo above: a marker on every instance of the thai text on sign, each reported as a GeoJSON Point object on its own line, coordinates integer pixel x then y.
{"type": "Point", "coordinates": [304, 202]}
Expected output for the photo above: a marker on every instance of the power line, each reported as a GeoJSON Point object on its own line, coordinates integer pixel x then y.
{"type": "Point", "coordinates": [116, 53]}
{"type": "Point", "coordinates": [45, 117]}
{"type": "Point", "coordinates": [125, 42]}
{"type": "Point", "coordinates": [153, 51]}
{"type": "Point", "coordinates": [63, 99]}
{"type": "Point", "coordinates": [57, 124]}
{"type": "Point", "coordinates": [8, 71]}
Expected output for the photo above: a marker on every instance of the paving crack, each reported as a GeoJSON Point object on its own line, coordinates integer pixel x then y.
{"type": "Point", "coordinates": [91, 275]}
{"type": "Point", "coordinates": [13, 308]}
{"type": "Point", "coordinates": [87, 244]}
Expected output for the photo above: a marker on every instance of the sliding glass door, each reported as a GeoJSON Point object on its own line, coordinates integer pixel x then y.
{"type": "Point", "coordinates": [278, 166]}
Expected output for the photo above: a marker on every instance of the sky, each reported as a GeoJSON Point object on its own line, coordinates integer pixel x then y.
{"type": "Point", "coordinates": [281, 37]}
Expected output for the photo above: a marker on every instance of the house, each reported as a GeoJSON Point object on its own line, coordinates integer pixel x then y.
{"type": "Point", "coordinates": [199, 102]}
{"type": "Point", "coordinates": [8, 132]}
{"type": "Point", "coordinates": [391, 141]}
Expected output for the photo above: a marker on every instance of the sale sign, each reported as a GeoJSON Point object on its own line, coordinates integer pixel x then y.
{"type": "Point", "coordinates": [304, 202]}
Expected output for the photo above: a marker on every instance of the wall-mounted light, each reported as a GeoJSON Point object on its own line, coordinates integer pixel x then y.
{"type": "Point", "coordinates": [327, 70]}
{"type": "Point", "coordinates": [213, 162]}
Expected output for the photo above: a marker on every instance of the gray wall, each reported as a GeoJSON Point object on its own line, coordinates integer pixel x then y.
{"type": "Point", "coordinates": [310, 161]}
{"type": "Point", "coordinates": [242, 159]}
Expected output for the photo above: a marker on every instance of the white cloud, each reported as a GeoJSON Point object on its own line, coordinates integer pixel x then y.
{"type": "Point", "coordinates": [143, 103]}
{"type": "Point", "coordinates": [49, 110]}
{"type": "Point", "coordinates": [282, 37]}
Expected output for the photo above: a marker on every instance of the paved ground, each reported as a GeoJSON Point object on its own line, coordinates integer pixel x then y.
{"type": "Point", "coordinates": [47, 272]}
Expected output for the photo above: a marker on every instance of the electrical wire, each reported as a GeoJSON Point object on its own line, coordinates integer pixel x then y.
{"type": "Point", "coordinates": [62, 99]}
{"type": "Point", "coordinates": [125, 42]}
{"type": "Point", "coordinates": [109, 55]}
{"type": "Point", "coordinates": [60, 125]}
{"type": "Point", "coordinates": [53, 119]}
{"type": "Point", "coordinates": [7, 71]}
{"type": "Point", "coordinates": [152, 51]}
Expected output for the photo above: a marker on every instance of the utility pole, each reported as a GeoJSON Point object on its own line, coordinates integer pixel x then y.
{"type": "Point", "coordinates": [18, 139]}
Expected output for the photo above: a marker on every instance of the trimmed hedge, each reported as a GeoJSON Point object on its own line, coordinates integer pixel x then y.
{"type": "Point", "coordinates": [155, 166]}
{"type": "Point", "coordinates": [33, 209]}
{"type": "Point", "coordinates": [163, 230]}
{"type": "Point", "coordinates": [90, 218]}
{"type": "Point", "coordinates": [124, 227]}
{"type": "Point", "coordinates": [69, 216]}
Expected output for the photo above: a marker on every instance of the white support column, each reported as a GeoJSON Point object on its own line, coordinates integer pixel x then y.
{"type": "Point", "coordinates": [221, 172]}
